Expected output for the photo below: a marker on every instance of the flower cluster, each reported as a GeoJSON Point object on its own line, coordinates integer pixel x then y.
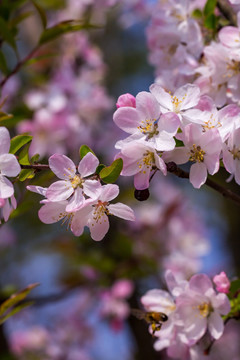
{"type": "Point", "coordinates": [9, 167]}
{"type": "Point", "coordinates": [206, 134]}
{"type": "Point", "coordinates": [79, 197]}
{"type": "Point", "coordinates": [193, 308]}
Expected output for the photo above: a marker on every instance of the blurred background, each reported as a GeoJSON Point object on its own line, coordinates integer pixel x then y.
{"type": "Point", "coordinates": [65, 96]}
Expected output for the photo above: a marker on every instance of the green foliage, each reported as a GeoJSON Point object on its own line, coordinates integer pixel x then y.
{"type": "Point", "coordinates": [111, 173]}
{"type": "Point", "coordinates": [19, 141]}
{"type": "Point", "coordinates": [41, 13]}
{"type": "Point", "coordinates": [99, 168]}
{"type": "Point", "coordinates": [211, 21]}
{"type": "Point", "coordinates": [84, 149]}
{"type": "Point", "coordinates": [6, 34]}
{"type": "Point", "coordinates": [62, 28]}
{"type": "Point", "coordinates": [209, 7]}
{"type": "Point", "coordinates": [14, 304]}
{"type": "Point", "coordinates": [234, 288]}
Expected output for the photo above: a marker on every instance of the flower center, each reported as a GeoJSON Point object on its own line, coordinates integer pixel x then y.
{"type": "Point", "coordinates": [235, 152]}
{"type": "Point", "coordinates": [196, 154]}
{"type": "Point", "coordinates": [211, 123]}
{"type": "Point", "coordinates": [204, 309]}
{"type": "Point", "coordinates": [99, 210]}
{"type": "Point", "coordinates": [233, 66]}
{"type": "Point", "coordinates": [177, 103]}
{"type": "Point", "coordinates": [76, 181]}
{"type": "Point", "coordinates": [146, 162]}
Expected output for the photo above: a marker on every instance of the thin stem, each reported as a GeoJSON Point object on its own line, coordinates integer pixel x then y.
{"type": "Point", "coordinates": [37, 167]}
{"type": "Point", "coordinates": [18, 66]}
{"type": "Point", "coordinates": [227, 10]}
{"type": "Point", "coordinates": [174, 169]}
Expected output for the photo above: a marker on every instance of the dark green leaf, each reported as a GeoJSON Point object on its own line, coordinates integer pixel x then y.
{"type": "Point", "coordinates": [3, 64]}
{"type": "Point", "coordinates": [41, 13]}
{"type": "Point", "coordinates": [6, 34]}
{"type": "Point", "coordinates": [84, 149]}
{"type": "Point", "coordinates": [99, 168]}
{"type": "Point", "coordinates": [111, 173]}
{"type": "Point", "coordinates": [210, 22]}
{"type": "Point", "coordinates": [7, 308]}
{"type": "Point", "coordinates": [61, 29]}
{"type": "Point", "coordinates": [23, 157]}
{"type": "Point", "coordinates": [19, 141]}
{"type": "Point", "coordinates": [197, 13]}
{"type": "Point", "coordinates": [234, 288]}
{"type": "Point", "coordinates": [209, 7]}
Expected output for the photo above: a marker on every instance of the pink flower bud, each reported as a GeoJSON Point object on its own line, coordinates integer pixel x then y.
{"type": "Point", "coordinates": [222, 282]}
{"type": "Point", "coordinates": [126, 100]}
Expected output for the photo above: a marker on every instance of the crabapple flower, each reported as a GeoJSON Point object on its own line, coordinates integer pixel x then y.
{"type": "Point", "coordinates": [200, 308]}
{"type": "Point", "coordinates": [230, 35]}
{"type": "Point", "coordinates": [147, 122]}
{"type": "Point", "coordinates": [73, 184]}
{"type": "Point", "coordinates": [231, 155]}
{"type": "Point", "coordinates": [222, 282]}
{"type": "Point", "coordinates": [203, 149]}
{"type": "Point", "coordinates": [139, 159]}
{"type": "Point", "coordinates": [98, 222]}
{"type": "Point", "coordinates": [184, 98]}
{"type": "Point", "coordinates": [9, 165]}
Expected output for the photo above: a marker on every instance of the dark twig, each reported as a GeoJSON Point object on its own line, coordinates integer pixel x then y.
{"type": "Point", "coordinates": [36, 167]}
{"type": "Point", "coordinates": [174, 169]}
{"type": "Point", "coordinates": [18, 66]}
{"type": "Point", "coordinates": [228, 12]}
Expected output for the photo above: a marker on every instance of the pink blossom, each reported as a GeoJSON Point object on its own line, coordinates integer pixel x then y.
{"type": "Point", "coordinates": [6, 207]}
{"type": "Point", "coordinates": [203, 149]}
{"type": "Point", "coordinates": [182, 99]}
{"type": "Point", "coordinates": [139, 159]}
{"type": "Point", "coordinates": [98, 222]}
{"type": "Point", "coordinates": [222, 282]}
{"type": "Point", "coordinates": [231, 155]}
{"type": "Point", "coordinates": [73, 184]}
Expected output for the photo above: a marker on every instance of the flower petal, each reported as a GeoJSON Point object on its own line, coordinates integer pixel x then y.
{"type": "Point", "coordinates": [198, 174]}
{"type": "Point", "coordinates": [6, 188]}
{"type": "Point", "coordinates": [98, 229]}
{"type": "Point", "coordinates": [52, 212]}
{"type": "Point", "coordinates": [215, 325]}
{"type": "Point", "coordinates": [59, 190]}
{"type": "Point", "coordinates": [9, 165]}
{"type": "Point", "coordinates": [88, 165]}
{"type": "Point", "coordinates": [62, 166]}
{"type": "Point", "coordinates": [121, 210]}
{"type": "Point", "coordinates": [109, 192]}
{"type": "Point", "coordinates": [4, 140]}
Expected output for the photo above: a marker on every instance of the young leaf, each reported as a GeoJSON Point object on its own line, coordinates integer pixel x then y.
{"type": "Point", "coordinates": [84, 149]}
{"type": "Point", "coordinates": [61, 28]}
{"type": "Point", "coordinates": [6, 34]}
{"type": "Point", "coordinates": [26, 174]}
{"type": "Point", "coordinates": [23, 157]}
{"type": "Point", "coordinates": [41, 13]}
{"type": "Point", "coordinates": [209, 7]}
{"type": "Point", "coordinates": [19, 141]}
{"type": "Point", "coordinates": [11, 306]}
{"type": "Point", "coordinates": [111, 173]}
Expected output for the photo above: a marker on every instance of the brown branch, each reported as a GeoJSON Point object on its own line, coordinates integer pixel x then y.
{"type": "Point", "coordinates": [37, 167]}
{"type": "Point", "coordinates": [174, 169]}
{"type": "Point", "coordinates": [18, 66]}
{"type": "Point", "coordinates": [227, 11]}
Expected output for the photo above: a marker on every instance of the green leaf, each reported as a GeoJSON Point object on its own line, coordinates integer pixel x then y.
{"type": "Point", "coordinates": [8, 307]}
{"type": "Point", "coordinates": [23, 157]}
{"type": "Point", "coordinates": [197, 13]}
{"type": "Point", "coordinates": [6, 34]}
{"type": "Point", "coordinates": [19, 141]}
{"type": "Point", "coordinates": [111, 173]}
{"type": "Point", "coordinates": [41, 13]}
{"type": "Point", "coordinates": [3, 64]}
{"type": "Point", "coordinates": [15, 311]}
{"type": "Point", "coordinates": [26, 174]}
{"type": "Point", "coordinates": [210, 22]}
{"type": "Point", "coordinates": [36, 59]}
{"type": "Point", "coordinates": [234, 288]}
{"type": "Point", "coordinates": [84, 149]}
{"type": "Point", "coordinates": [60, 29]}
{"type": "Point", "coordinates": [99, 168]}
{"type": "Point", "coordinates": [4, 116]}
{"type": "Point", "coordinates": [209, 7]}
{"type": "Point", "coordinates": [17, 19]}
